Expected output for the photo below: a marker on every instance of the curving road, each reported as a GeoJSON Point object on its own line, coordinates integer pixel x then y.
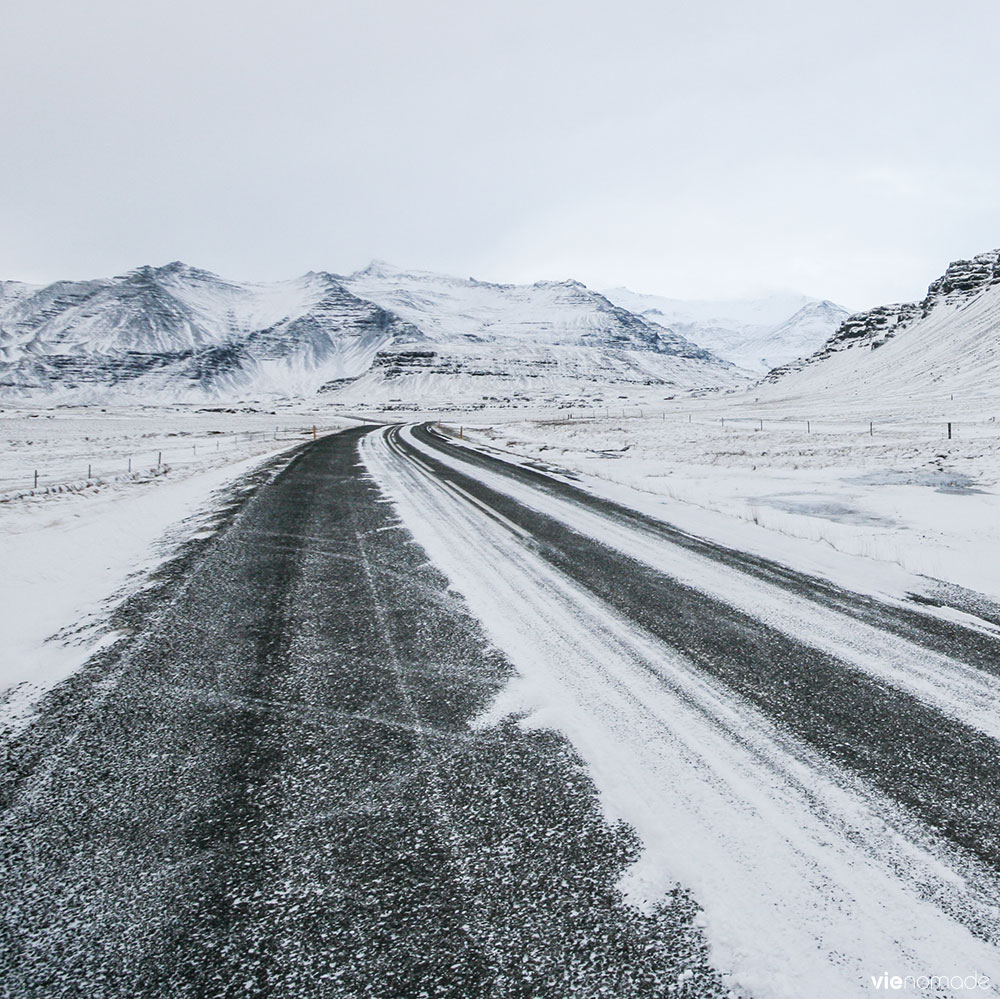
{"type": "Point", "coordinates": [419, 721]}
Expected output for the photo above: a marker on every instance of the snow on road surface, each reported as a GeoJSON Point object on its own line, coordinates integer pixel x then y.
{"type": "Point", "coordinates": [958, 690]}
{"type": "Point", "coordinates": [811, 880]}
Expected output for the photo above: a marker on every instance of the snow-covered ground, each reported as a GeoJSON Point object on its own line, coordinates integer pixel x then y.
{"type": "Point", "coordinates": [797, 485]}
{"type": "Point", "coordinates": [69, 446]}
{"type": "Point", "coordinates": [809, 878]}
{"type": "Point", "coordinates": [878, 508]}
{"type": "Point", "coordinates": [885, 508]}
{"type": "Point", "coordinates": [74, 547]}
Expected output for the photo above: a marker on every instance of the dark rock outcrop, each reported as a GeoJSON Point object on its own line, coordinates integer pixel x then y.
{"type": "Point", "coordinates": [962, 281]}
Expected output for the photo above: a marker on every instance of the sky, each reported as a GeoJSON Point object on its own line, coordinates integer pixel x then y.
{"type": "Point", "coordinates": [843, 149]}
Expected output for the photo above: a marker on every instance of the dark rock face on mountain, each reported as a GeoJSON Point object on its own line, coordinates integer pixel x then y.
{"type": "Point", "coordinates": [962, 278]}
{"type": "Point", "coordinates": [962, 281]}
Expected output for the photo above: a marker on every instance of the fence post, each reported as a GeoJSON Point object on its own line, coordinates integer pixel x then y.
{"type": "Point", "coordinates": [88, 471]}
{"type": "Point", "coordinates": [130, 464]}
{"type": "Point", "coordinates": [871, 428]}
{"type": "Point", "coordinates": [159, 458]}
{"type": "Point", "coordinates": [36, 479]}
{"type": "Point", "coordinates": [807, 427]}
{"type": "Point", "coordinates": [761, 424]}
{"type": "Point", "coordinates": [949, 431]}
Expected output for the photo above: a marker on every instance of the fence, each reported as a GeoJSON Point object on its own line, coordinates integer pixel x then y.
{"type": "Point", "coordinates": [52, 468]}
{"type": "Point", "coordinates": [931, 429]}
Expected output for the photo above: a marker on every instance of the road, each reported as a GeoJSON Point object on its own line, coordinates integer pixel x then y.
{"type": "Point", "coordinates": [419, 721]}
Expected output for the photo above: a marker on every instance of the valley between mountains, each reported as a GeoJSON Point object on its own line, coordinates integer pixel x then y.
{"type": "Point", "coordinates": [395, 634]}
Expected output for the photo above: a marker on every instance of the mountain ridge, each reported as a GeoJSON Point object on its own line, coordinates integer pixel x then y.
{"type": "Point", "coordinates": [177, 332]}
{"type": "Point", "coordinates": [950, 340]}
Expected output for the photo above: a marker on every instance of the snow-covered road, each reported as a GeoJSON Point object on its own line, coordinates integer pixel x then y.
{"type": "Point", "coordinates": [820, 771]}
{"type": "Point", "coordinates": [413, 720]}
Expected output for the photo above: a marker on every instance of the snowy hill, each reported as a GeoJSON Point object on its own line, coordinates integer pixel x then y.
{"type": "Point", "coordinates": [179, 333]}
{"type": "Point", "coordinates": [946, 345]}
{"type": "Point", "coordinates": [755, 334]}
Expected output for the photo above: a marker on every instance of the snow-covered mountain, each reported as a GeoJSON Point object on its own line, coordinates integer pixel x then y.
{"type": "Point", "coordinates": [551, 338]}
{"type": "Point", "coordinates": [179, 333]}
{"type": "Point", "coordinates": [947, 344]}
{"type": "Point", "coordinates": [175, 332]}
{"type": "Point", "coordinates": [755, 334]}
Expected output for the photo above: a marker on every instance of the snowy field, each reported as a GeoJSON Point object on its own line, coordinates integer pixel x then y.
{"type": "Point", "coordinates": [889, 507]}
{"type": "Point", "coordinates": [795, 483]}
{"type": "Point", "coordinates": [71, 448]}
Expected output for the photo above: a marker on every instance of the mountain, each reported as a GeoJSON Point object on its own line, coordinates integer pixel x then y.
{"type": "Point", "coordinates": [754, 334]}
{"type": "Point", "coordinates": [946, 344]}
{"type": "Point", "coordinates": [551, 338]}
{"type": "Point", "coordinates": [177, 333]}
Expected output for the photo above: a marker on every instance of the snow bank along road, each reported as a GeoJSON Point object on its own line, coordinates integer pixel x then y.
{"type": "Point", "coordinates": [340, 754]}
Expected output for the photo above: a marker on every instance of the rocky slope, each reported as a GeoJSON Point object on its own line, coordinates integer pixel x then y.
{"type": "Point", "coordinates": [177, 333]}
{"type": "Point", "coordinates": [949, 342]}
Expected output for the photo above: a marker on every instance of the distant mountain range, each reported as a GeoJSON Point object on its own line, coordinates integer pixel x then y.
{"type": "Point", "coordinates": [755, 334]}
{"type": "Point", "coordinates": [947, 344]}
{"type": "Point", "coordinates": [177, 333]}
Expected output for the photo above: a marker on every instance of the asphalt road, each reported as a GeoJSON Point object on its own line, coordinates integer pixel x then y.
{"type": "Point", "coordinates": [944, 773]}
{"type": "Point", "coordinates": [270, 786]}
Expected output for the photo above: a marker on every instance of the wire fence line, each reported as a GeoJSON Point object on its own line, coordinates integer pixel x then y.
{"type": "Point", "coordinates": [124, 461]}
{"type": "Point", "coordinates": [943, 428]}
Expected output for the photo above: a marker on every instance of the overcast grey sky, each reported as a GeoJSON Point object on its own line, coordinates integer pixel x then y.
{"type": "Point", "coordinates": [845, 149]}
